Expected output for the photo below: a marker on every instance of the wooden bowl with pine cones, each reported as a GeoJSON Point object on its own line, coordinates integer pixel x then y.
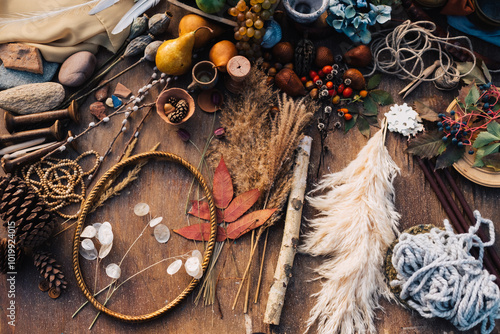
{"type": "Point", "coordinates": [175, 106]}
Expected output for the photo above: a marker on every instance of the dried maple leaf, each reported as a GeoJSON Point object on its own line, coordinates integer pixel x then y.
{"type": "Point", "coordinates": [223, 186]}
{"type": "Point", "coordinates": [201, 232]}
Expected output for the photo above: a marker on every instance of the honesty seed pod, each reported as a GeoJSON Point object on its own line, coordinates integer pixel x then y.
{"type": "Point", "coordinates": [138, 27]}
{"type": "Point", "coordinates": [137, 45]}
{"type": "Point", "coordinates": [151, 49]}
{"type": "Point", "coordinates": [158, 23]}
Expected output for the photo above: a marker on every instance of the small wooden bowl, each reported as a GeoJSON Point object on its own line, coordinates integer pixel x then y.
{"type": "Point", "coordinates": [179, 94]}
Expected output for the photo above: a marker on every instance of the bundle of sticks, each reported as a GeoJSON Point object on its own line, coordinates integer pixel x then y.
{"type": "Point", "coordinates": [491, 259]}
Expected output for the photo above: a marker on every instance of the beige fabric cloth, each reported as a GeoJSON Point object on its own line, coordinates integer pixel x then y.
{"type": "Point", "coordinates": [60, 36]}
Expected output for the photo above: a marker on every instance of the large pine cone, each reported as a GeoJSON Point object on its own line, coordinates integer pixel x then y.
{"type": "Point", "coordinates": [22, 206]}
{"type": "Point", "coordinates": [51, 271]}
{"type": "Point", "coordinates": [4, 256]}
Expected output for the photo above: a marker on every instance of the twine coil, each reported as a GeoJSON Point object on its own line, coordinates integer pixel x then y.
{"type": "Point", "coordinates": [403, 52]}
{"type": "Point", "coordinates": [439, 277]}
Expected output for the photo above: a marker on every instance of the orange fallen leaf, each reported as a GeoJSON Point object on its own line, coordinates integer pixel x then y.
{"type": "Point", "coordinates": [248, 222]}
{"type": "Point", "coordinates": [201, 232]}
{"type": "Point", "coordinates": [223, 186]}
{"type": "Point", "coordinates": [240, 205]}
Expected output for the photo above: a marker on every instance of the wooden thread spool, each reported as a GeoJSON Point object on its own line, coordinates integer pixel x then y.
{"type": "Point", "coordinates": [10, 165]}
{"type": "Point", "coordinates": [53, 132]}
{"type": "Point", "coordinates": [13, 123]}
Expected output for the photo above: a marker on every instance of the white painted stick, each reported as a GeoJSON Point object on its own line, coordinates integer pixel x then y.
{"type": "Point", "coordinates": [291, 233]}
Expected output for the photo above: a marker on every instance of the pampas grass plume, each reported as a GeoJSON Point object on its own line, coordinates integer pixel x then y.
{"type": "Point", "coordinates": [355, 225]}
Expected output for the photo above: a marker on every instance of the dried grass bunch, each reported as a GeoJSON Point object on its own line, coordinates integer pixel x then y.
{"type": "Point", "coordinates": [259, 147]}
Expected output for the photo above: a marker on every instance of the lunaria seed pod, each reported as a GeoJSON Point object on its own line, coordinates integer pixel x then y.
{"type": "Point", "coordinates": [137, 45]}
{"type": "Point", "coordinates": [138, 27]}
{"type": "Point", "coordinates": [151, 49]}
{"type": "Point", "coordinates": [159, 23]}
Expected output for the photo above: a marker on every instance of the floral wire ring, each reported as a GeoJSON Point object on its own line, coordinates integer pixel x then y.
{"type": "Point", "coordinates": [94, 197]}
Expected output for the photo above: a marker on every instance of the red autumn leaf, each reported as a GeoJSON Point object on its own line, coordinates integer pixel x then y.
{"type": "Point", "coordinates": [220, 216]}
{"type": "Point", "coordinates": [223, 186]}
{"type": "Point", "coordinates": [201, 232]}
{"type": "Point", "coordinates": [240, 205]}
{"type": "Point", "coordinates": [248, 222]}
{"type": "Point", "coordinates": [200, 209]}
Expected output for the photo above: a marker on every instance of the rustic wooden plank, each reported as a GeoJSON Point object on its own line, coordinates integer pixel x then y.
{"type": "Point", "coordinates": [163, 186]}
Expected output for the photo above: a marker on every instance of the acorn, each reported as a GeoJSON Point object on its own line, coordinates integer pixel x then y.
{"type": "Point", "coordinates": [359, 56]}
{"type": "Point", "coordinates": [283, 52]}
{"type": "Point", "coordinates": [354, 78]}
{"type": "Point", "coordinates": [289, 82]}
{"type": "Point", "coordinates": [324, 57]}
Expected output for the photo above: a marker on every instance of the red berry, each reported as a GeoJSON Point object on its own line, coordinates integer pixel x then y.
{"type": "Point", "coordinates": [347, 116]}
{"type": "Point", "coordinates": [329, 85]}
{"type": "Point", "coordinates": [321, 73]}
{"type": "Point", "coordinates": [332, 92]}
{"type": "Point", "coordinates": [303, 79]}
{"type": "Point", "coordinates": [347, 92]}
{"type": "Point", "coordinates": [316, 78]}
{"type": "Point", "coordinates": [340, 89]}
{"type": "Point", "coordinates": [327, 69]}
{"type": "Point", "coordinates": [312, 74]}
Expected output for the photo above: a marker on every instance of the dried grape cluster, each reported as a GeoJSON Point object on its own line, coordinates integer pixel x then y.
{"type": "Point", "coordinates": [250, 28]}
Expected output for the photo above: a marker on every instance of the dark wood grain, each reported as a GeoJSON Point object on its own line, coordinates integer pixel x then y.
{"type": "Point", "coordinates": [164, 187]}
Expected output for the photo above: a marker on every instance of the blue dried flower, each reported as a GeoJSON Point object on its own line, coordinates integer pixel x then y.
{"type": "Point", "coordinates": [353, 18]}
{"type": "Point", "coordinates": [381, 13]}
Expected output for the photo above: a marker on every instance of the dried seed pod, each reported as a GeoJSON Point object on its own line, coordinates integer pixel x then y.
{"type": "Point", "coordinates": [138, 27]}
{"type": "Point", "coordinates": [356, 78]}
{"type": "Point", "coordinates": [305, 54]}
{"type": "Point", "coordinates": [137, 45]}
{"type": "Point", "coordinates": [151, 49]}
{"type": "Point", "coordinates": [314, 93]}
{"type": "Point", "coordinates": [289, 82]}
{"type": "Point", "coordinates": [158, 23]}
{"type": "Point", "coordinates": [283, 52]}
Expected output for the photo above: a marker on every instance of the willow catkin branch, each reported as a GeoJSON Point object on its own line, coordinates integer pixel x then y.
{"type": "Point", "coordinates": [291, 233]}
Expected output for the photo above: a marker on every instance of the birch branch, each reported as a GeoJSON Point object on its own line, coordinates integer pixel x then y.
{"type": "Point", "coordinates": [290, 235]}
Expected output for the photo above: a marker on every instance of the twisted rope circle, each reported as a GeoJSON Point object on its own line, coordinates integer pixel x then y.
{"type": "Point", "coordinates": [439, 277]}
{"type": "Point", "coordinates": [94, 197]}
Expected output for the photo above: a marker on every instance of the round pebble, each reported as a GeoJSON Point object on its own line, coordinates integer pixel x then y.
{"type": "Point", "coordinates": [77, 69]}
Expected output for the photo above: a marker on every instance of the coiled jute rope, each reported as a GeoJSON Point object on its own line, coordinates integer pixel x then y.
{"type": "Point", "coordinates": [439, 277]}
{"type": "Point", "coordinates": [404, 51]}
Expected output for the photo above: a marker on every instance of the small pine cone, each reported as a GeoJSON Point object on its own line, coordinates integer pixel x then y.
{"type": "Point", "coordinates": [4, 257]}
{"type": "Point", "coordinates": [179, 113]}
{"type": "Point", "coordinates": [172, 100]}
{"type": "Point", "coordinates": [182, 106]}
{"type": "Point", "coordinates": [50, 270]}
{"type": "Point", "coordinates": [20, 204]}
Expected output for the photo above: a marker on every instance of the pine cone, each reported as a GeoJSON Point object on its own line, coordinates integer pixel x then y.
{"type": "Point", "coordinates": [51, 271]}
{"type": "Point", "coordinates": [181, 110]}
{"type": "Point", "coordinates": [4, 256]}
{"type": "Point", "coordinates": [172, 100]}
{"type": "Point", "coordinates": [20, 204]}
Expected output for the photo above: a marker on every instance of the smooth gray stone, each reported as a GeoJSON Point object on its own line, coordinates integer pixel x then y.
{"type": "Point", "coordinates": [32, 98]}
{"type": "Point", "coordinates": [12, 78]}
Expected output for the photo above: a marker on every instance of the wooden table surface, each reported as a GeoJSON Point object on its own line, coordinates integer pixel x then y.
{"type": "Point", "coordinates": [164, 187]}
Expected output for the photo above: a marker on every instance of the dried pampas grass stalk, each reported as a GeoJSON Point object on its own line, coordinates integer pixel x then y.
{"type": "Point", "coordinates": [355, 225]}
{"type": "Point", "coordinates": [259, 146]}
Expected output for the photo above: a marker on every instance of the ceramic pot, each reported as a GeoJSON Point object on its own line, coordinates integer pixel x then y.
{"type": "Point", "coordinates": [305, 11]}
